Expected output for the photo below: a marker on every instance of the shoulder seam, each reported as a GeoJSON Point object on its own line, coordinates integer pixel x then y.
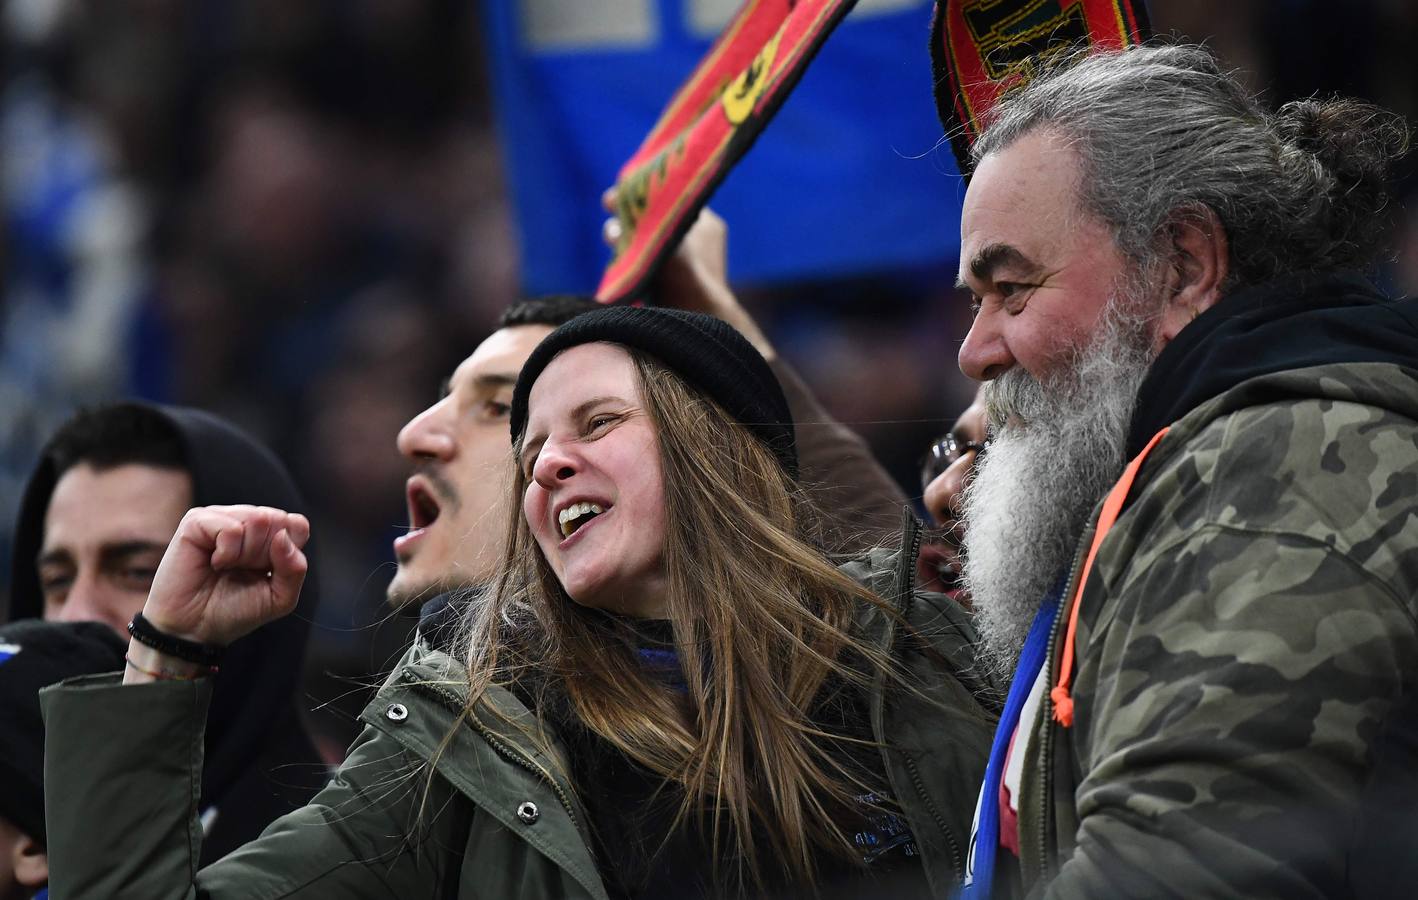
{"type": "Point", "coordinates": [1393, 596]}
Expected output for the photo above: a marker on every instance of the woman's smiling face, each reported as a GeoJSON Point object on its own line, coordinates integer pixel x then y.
{"type": "Point", "coordinates": [594, 499]}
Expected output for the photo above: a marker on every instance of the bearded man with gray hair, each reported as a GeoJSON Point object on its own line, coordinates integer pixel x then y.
{"type": "Point", "coordinates": [1165, 273]}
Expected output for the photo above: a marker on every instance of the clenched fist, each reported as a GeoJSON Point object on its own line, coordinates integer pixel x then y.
{"type": "Point", "coordinates": [228, 571]}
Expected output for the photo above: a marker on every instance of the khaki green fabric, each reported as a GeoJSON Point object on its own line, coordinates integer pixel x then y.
{"type": "Point", "coordinates": [1247, 625]}
{"type": "Point", "coordinates": [123, 764]}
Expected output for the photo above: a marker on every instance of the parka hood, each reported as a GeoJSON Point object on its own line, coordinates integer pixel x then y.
{"type": "Point", "coordinates": [254, 694]}
{"type": "Point", "coordinates": [1301, 321]}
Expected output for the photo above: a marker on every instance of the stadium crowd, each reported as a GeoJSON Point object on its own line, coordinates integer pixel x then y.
{"type": "Point", "coordinates": [659, 618]}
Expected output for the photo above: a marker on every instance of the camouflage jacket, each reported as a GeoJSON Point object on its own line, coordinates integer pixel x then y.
{"type": "Point", "coordinates": [1243, 633]}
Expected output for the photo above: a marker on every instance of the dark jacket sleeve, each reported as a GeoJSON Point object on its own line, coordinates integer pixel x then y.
{"type": "Point", "coordinates": [123, 769]}
{"type": "Point", "coordinates": [860, 502]}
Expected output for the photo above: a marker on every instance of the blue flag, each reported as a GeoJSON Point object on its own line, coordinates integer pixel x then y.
{"type": "Point", "coordinates": [851, 176]}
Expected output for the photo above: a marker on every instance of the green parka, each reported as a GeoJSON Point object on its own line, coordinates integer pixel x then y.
{"type": "Point", "coordinates": [123, 766]}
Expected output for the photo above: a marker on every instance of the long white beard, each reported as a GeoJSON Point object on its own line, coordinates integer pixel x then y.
{"type": "Point", "coordinates": [1058, 448]}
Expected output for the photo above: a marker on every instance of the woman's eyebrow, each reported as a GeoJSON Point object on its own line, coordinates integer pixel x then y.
{"type": "Point", "coordinates": [591, 404]}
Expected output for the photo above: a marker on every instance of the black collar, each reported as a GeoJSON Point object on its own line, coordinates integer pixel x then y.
{"type": "Point", "coordinates": [1301, 320]}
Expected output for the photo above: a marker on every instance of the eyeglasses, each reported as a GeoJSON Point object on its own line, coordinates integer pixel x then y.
{"type": "Point", "coordinates": [945, 451]}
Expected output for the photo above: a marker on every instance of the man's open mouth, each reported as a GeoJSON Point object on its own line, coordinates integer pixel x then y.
{"type": "Point", "coordinates": [938, 566]}
{"type": "Point", "coordinates": [423, 507]}
{"type": "Point", "coordinates": [573, 517]}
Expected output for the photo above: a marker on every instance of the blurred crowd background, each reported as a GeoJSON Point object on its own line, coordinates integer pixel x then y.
{"type": "Point", "coordinates": [296, 213]}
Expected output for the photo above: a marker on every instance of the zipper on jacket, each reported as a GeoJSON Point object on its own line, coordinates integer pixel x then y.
{"type": "Point", "coordinates": [906, 592]}
{"type": "Point", "coordinates": [501, 747]}
{"type": "Point", "coordinates": [1046, 744]}
{"type": "Point", "coordinates": [906, 568]}
{"type": "Point", "coordinates": [957, 859]}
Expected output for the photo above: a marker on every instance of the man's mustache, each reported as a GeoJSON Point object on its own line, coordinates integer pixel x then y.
{"type": "Point", "coordinates": [448, 496]}
{"type": "Point", "coordinates": [1012, 398]}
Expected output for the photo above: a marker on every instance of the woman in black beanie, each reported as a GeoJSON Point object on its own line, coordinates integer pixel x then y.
{"type": "Point", "coordinates": [668, 691]}
{"type": "Point", "coordinates": [710, 673]}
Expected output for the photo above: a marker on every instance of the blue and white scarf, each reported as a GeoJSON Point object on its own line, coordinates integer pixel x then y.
{"type": "Point", "coordinates": [985, 836]}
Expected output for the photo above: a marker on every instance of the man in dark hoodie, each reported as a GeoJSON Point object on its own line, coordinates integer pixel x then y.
{"type": "Point", "coordinates": [1164, 272]}
{"type": "Point", "coordinates": [102, 505]}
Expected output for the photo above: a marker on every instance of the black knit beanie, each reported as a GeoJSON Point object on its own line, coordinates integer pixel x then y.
{"type": "Point", "coordinates": [706, 352]}
{"type": "Point", "coordinates": [36, 654]}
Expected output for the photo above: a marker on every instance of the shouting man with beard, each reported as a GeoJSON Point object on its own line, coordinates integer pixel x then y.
{"type": "Point", "coordinates": [1166, 274]}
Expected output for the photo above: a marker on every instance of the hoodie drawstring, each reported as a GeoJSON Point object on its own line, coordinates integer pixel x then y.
{"type": "Point", "coordinates": [1112, 506]}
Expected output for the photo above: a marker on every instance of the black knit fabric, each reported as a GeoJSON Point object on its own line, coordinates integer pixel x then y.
{"type": "Point", "coordinates": [36, 654]}
{"type": "Point", "coordinates": [707, 353]}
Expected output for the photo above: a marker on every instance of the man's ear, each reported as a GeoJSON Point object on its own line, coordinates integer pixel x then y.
{"type": "Point", "coordinates": [1198, 261]}
{"type": "Point", "coordinates": [30, 862]}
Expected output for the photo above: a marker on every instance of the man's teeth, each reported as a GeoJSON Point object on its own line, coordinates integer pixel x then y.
{"type": "Point", "coordinates": [567, 517]}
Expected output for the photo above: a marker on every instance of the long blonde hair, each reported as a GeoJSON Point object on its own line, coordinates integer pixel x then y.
{"type": "Point", "coordinates": [761, 620]}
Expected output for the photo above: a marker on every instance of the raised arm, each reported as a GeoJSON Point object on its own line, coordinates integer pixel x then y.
{"type": "Point", "coordinates": [861, 503]}
{"type": "Point", "coordinates": [123, 759]}
{"type": "Point", "coordinates": [228, 571]}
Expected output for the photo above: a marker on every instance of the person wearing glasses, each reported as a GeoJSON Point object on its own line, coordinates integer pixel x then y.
{"type": "Point", "coordinates": [945, 472]}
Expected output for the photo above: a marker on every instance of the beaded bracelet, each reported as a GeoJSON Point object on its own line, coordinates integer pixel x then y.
{"type": "Point", "coordinates": [147, 634]}
{"type": "Point", "coordinates": [167, 674]}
